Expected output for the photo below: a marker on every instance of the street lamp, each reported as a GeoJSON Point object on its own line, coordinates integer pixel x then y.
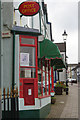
{"type": "Point", "coordinates": [64, 39]}
{"type": "Point", "coordinates": [64, 35]}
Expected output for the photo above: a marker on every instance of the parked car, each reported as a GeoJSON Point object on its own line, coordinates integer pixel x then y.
{"type": "Point", "coordinates": [72, 80]}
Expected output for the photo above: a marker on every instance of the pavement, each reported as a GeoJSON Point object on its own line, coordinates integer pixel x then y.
{"type": "Point", "coordinates": [66, 106]}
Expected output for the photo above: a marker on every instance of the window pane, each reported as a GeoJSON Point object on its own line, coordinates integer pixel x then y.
{"type": "Point", "coordinates": [27, 41]}
{"type": "Point", "coordinates": [27, 73]}
{"type": "Point", "coordinates": [47, 79]}
{"type": "Point", "coordinates": [43, 80]}
{"type": "Point", "coordinates": [39, 82]}
{"type": "Point", "coordinates": [27, 56]}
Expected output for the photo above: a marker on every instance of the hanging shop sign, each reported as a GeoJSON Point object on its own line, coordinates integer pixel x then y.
{"type": "Point", "coordinates": [29, 8]}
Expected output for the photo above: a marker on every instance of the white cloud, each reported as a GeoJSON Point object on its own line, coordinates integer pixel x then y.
{"type": "Point", "coordinates": [64, 15]}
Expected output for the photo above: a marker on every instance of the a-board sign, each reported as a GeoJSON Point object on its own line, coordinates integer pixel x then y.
{"type": "Point", "coordinates": [29, 8]}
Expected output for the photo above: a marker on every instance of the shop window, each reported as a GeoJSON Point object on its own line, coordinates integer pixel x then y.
{"type": "Point", "coordinates": [27, 56]}
{"type": "Point", "coordinates": [27, 41]}
{"type": "Point", "coordinates": [43, 79]}
{"type": "Point", "coordinates": [27, 73]}
{"type": "Point", "coordinates": [39, 82]}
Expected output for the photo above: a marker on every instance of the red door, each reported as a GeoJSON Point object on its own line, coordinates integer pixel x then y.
{"type": "Point", "coordinates": [28, 94]}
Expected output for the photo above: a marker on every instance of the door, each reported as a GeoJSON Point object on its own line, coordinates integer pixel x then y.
{"type": "Point", "coordinates": [28, 94]}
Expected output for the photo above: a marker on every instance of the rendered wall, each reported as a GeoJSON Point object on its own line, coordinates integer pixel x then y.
{"type": "Point", "coordinates": [62, 75]}
{"type": "Point", "coordinates": [7, 22]}
{"type": "Point", "coordinates": [0, 62]}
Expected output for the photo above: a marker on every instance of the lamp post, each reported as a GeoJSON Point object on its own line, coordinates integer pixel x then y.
{"type": "Point", "coordinates": [64, 39]}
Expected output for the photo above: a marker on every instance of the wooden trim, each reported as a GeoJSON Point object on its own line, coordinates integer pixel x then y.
{"type": "Point", "coordinates": [45, 78]}
{"type": "Point", "coordinates": [52, 77]}
{"type": "Point", "coordinates": [29, 80]}
{"type": "Point", "coordinates": [27, 67]}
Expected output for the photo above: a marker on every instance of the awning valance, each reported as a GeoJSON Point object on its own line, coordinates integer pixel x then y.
{"type": "Point", "coordinates": [49, 50]}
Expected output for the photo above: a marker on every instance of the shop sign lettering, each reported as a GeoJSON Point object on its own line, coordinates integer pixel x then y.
{"type": "Point", "coordinates": [29, 8]}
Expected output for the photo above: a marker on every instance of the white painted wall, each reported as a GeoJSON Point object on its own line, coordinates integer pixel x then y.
{"type": "Point", "coordinates": [6, 23]}
{"type": "Point", "coordinates": [62, 75]}
{"type": "Point", "coordinates": [39, 103]}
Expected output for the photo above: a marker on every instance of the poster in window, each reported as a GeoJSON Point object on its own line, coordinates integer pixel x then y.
{"type": "Point", "coordinates": [27, 73]}
{"type": "Point", "coordinates": [24, 59]}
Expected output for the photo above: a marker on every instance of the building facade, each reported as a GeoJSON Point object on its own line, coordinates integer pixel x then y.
{"type": "Point", "coordinates": [20, 52]}
{"type": "Point", "coordinates": [62, 75]}
{"type": "Point", "coordinates": [25, 66]}
{"type": "Point", "coordinates": [72, 72]}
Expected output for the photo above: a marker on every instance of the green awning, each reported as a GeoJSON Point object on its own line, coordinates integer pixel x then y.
{"type": "Point", "coordinates": [49, 50]}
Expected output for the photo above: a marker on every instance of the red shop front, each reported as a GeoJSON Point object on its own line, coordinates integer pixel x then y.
{"type": "Point", "coordinates": [28, 69]}
{"type": "Point", "coordinates": [25, 70]}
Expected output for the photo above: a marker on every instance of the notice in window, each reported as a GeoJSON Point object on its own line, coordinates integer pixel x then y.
{"type": "Point", "coordinates": [27, 73]}
{"type": "Point", "coordinates": [24, 59]}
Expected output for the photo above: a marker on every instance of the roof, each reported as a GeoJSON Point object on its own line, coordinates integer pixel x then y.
{"type": "Point", "coordinates": [61, 46]}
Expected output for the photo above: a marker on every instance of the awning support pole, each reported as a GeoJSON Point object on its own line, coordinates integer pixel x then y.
{"type": "Point", "coordinates": [45, 78]}
{"type": "Point", "coordinates": [41, 78]}
{"type": "Point", "coordinates": [52, 76]}
{"type": "Point", "coordinates": [49, 74]}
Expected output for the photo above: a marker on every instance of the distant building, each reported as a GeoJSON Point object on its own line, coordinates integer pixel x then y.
{"type": "Point", "coordinates": [78, 67]}
{"type": "Point", "coordinates": [72, 72]}
{"type": "Point", "coordinates": [62, 75]}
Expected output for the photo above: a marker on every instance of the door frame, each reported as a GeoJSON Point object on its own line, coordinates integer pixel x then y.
{"type": "Point", "coordinates": [29, 80]}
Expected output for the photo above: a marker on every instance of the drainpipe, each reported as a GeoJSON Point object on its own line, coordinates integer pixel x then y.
{"type": "Point", "coordinates": [40, 19]}
{"type": "Point", "coordinates": [45, 25]}
{"type": "Point", "coordinates": [13, 71]}
{"type": "Point", "coordinates": [0, 62]}
{"type": "Point", "coordinates": [32, 22]}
